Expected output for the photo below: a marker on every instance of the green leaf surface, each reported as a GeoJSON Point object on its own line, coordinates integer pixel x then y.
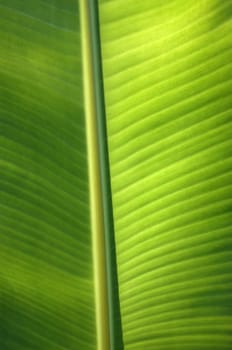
{"type": "Point", "coordinates": [167, 83]}
{"type": "Point", "coordinates": [168, 79]}
{"type": "Point", "coordinates": [46, 282]}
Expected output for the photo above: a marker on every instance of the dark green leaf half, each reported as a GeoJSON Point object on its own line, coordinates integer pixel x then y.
{"type": "Point", "coordinates": [46, 282]}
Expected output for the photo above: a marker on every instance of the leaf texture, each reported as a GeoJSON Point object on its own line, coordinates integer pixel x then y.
{"type": "Point", "coordinates": [167, 78]}
{"type": "Point", "coordinates": [46, 282]}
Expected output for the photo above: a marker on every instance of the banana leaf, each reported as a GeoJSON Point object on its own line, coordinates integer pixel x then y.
{"type": "Point", "coordinates": [115, 177]}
